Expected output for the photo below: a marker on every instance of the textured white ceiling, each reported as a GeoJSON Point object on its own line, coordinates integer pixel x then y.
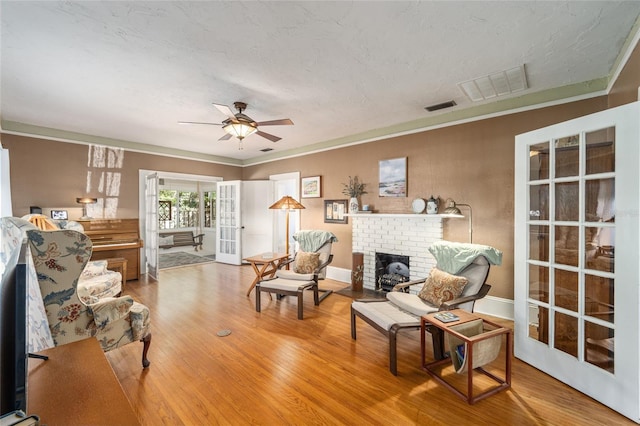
{"type": "Point", "coordinates": [131, 70]}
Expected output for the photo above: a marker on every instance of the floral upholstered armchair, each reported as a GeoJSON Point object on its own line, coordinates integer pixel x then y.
{"type": "Point", "coordinates": [60, 258]}
{"type": "Point", "coordinates": [96, 279]}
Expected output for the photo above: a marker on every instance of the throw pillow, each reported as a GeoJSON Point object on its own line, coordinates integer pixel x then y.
{"type": "Point", "coordinates": [441, 287]}
{"type": "Point", "coordinates": [307, 263]}
{"type": "Point", "coordinates": [165, 241]}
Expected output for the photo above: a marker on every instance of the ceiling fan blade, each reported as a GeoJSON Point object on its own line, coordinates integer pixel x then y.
{"type": "Point", "coordinates": [226, 137]}
{"type": "Point", "coordinates": [225, 110]}
{"type": "Point", "coordinates": [272, 138]}
{"type": "Point", "coordinates": [281, 122]}
{"type": "Point", "coordinates": [199, 122]}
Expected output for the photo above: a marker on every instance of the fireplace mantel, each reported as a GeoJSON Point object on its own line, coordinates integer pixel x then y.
{"type": "Point", "coordinates": [402, 234]}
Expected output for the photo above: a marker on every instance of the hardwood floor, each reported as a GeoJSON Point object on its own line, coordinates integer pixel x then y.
{"type": "Point", "coordinates": [275, 369]}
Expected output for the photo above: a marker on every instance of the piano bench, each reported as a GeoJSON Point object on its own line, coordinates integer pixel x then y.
{"type": "Point", "coordinates": [118, 264]}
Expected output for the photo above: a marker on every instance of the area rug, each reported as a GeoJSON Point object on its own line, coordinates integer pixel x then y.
{"type": "Point", "coordinates": [174, 260]}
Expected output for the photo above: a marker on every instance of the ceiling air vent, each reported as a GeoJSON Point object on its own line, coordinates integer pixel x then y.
{"type": "Point", "coordinates": [443, 105]}
{"type": "Point", "coordinates": [497, 84]}
{"type": "Point", "coordinates": [266, 149]}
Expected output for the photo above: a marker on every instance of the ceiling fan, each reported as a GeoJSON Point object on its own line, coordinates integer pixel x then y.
{"type": "Point", "coordinates": [241, 125]}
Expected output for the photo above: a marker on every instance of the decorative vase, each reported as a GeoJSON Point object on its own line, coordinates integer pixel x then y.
{"type": "Point", "coordinates": [353, 205]}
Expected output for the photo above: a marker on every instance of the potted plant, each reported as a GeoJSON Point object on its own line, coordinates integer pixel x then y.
{"type": "Point", "coordinates": [354, 189]}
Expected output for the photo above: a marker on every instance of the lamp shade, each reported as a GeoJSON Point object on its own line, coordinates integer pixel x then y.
{"type": "Point", "coordinates": [287, 203]}
{"type": "Point", "coordinates": [239, 129]}
{"type": "Point", "coordinates": [86, 200]}
{"type": "Point", "coordinates": [451, 209]}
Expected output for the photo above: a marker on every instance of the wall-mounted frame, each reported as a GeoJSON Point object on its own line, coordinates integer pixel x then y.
{"type": "Point", "coordinates": [59, 214]}
{"type": "Point", "coordinates": [393, 177]}
{"type": "Point", "coordinates": [335, 211]}
{"type": "Point", "coordinates": [311, 187]}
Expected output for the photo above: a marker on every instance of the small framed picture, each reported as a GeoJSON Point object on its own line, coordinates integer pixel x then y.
{"type": "Point", "coordinates": [59, 214]}
{"type": "Point", "coordinates": [311, 187]}
{"type": "Point", "coordinates": [335, 211]}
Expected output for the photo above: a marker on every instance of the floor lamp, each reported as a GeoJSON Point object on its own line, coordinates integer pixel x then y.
{"type": "Point", "coordinates": [287, 203]}
{"type": "Point", "coordinates": [452, 210]}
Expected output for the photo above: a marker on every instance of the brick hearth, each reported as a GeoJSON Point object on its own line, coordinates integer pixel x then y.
{"type": "Point", "coordinates": [402, 234]}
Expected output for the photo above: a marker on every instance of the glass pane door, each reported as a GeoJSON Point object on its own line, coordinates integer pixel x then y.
{"type": "Point", "coordinates": [228, 223]}
{"type": "Point", "coordinates": [151, 225]}
{"type": "Point", "coordinates": [576, 311]}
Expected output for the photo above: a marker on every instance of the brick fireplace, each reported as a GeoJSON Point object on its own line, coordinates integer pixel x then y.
{"type": "Point", "coordinates": [401, 234]}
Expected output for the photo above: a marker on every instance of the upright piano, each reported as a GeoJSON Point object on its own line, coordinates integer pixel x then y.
{"type": "Point", "coordinates": [113, 238]}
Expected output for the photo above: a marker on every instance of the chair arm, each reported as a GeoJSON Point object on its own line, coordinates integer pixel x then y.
{"type": "Point", "coordinates": [286, 262]}
{"type": "Point", "coordinates": [323, 264]}
{"type": "Point", "coordinates": [198, 237]}
{"type": "Point", "coordinates": [320, 267]}
{"type": "Point", "coordinates": [110, 309]}
{"type": "Point", "coordinates": [404, 287]}
{"type": "Point", "coordinates": [451, 304]}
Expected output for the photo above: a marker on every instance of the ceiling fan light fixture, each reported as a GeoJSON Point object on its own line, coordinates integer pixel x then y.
{"type": "Point", "coordinates": [239, 129]}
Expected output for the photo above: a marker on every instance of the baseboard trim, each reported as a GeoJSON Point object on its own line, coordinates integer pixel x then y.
{"type": "Point", "coordinates": [339, 274]}
{"type": "Point", "coordinates": [490, 305]}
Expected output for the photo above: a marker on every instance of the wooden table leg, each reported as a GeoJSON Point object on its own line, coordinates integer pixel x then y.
{"type": "Point", "coordinates": [268, 269]}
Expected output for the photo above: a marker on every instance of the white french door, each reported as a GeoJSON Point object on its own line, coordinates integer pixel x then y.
{"type": "Point", "coordinates": [228, 223]}
{"type": "Point", "coordinates": [577, 240]}
{"type": "Point", "coordinates": [151, 225]}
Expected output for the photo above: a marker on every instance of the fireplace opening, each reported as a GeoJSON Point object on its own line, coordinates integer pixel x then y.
{"type": "Point", "coordinates": [391, 269]}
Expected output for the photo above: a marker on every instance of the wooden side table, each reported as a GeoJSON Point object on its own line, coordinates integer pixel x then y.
{"type": "Point", "coordinates": [475, 341]}
{"type": "Point", "coordinates": [265, 265]}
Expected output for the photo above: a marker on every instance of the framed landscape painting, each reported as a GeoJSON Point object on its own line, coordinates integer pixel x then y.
{"type": "Point", "coordinates": [393, 177]}
{"type": "Point", "coordinates": [311, 187]}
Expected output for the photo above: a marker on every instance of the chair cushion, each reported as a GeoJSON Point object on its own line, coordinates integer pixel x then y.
{"type": "Point", "coordinates": [284, 284]}
{"type": "Point", "coordinates": [292, 275]}
{"type": "Point", "coordinates": [411, 303]}
{"type": "Point", "coordinates": [441, 287]}
{"type": "Point", "coordinates": [306, 262]}
{"type": "Point", "coordinates": [385, 314]}
{"type": "Point", "coordinates": [94, 268]}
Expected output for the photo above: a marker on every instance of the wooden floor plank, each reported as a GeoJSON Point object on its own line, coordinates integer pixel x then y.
{"type": "Point", "coordinates": [276, 369]}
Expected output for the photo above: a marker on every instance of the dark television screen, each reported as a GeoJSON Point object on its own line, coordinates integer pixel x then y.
{"type": "Point", "coordinates": [13, 334]}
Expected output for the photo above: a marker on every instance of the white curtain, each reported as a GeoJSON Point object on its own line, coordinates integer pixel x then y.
{"type": "Point", "coordinates": [5, 184]}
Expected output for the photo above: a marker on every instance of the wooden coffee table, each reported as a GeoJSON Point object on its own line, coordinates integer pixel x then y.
{"type": "Point", "coordinates": [265, 266]}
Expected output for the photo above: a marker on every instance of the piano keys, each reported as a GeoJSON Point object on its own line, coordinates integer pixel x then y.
{"type": "Point", "coordinates": [116, 238]}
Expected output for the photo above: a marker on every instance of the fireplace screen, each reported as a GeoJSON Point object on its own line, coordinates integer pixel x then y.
{"type": "Point", "coordinates": [391, 269]}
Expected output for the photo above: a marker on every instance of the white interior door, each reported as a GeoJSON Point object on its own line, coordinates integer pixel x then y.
{"type": "Point", "coordinates": [257, 228]}
{"type": "Point", "coordinates": [151, 225]}
{"type": "Point", "coordinates": [576, 254]}
{"type": "Point", "coordinates": [228, 223]}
